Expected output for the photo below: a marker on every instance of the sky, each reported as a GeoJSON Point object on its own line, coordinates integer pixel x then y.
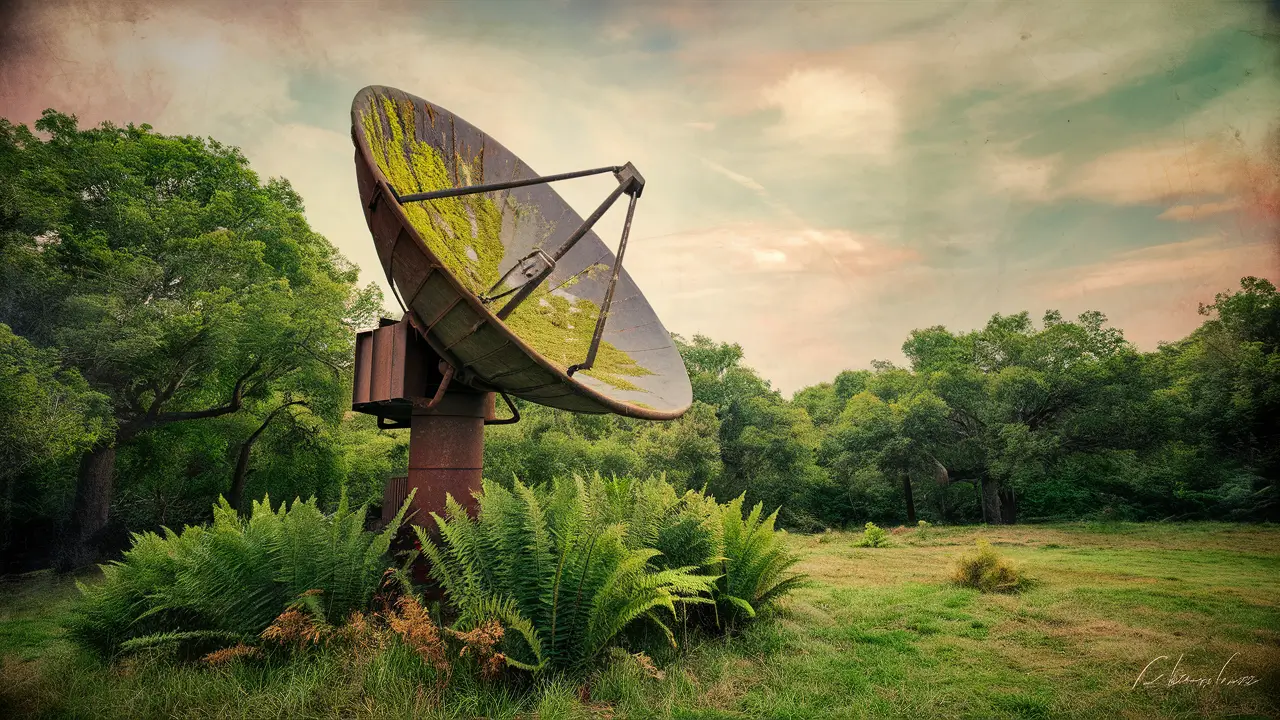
{"type": "Point", "coordinates": [822, 177]}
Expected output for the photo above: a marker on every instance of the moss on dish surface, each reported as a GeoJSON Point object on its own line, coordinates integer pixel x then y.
{"type": "Point", "coordinates": [561, 330]}
{"type": "Point", "coordinates": [449, 226]}
{"type": "Point", "coordinates": [465, 234]}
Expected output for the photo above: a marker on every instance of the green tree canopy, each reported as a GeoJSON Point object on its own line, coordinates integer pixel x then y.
{"type": "Point", "coordinates": [177, 283]}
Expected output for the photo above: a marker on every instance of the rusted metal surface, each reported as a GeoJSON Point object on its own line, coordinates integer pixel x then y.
{"type": "Point", "coordinates": [485, 354]}
{"type": "Point", "coordinates": [446, 453]}
{"type": "Point", "coordinates": [401, 379]}
{"type": "Point", "coordinates": [393, 495]}
{"type": "Point", "coordinates": [396, 370]}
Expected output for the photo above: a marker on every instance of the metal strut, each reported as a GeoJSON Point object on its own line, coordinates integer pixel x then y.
{"type": "Point", "coordinates": [515, 414]}
{"type": "Point", "coordinates": [608, 295]}
{"type": "Point", "coordinates": [490, 187]}
{"type": "Point", "coordinates": [630, 182]}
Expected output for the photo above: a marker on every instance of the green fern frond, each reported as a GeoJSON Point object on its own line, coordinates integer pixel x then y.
{"type": "Point", "coordinates": [182, 638]}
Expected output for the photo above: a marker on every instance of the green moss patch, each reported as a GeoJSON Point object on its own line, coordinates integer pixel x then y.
{"type": "Point", "coordinates": [465, 233]}
{"type": "Point", "coordinates": [561, 330]}
{"type": "Point", "coordinates": [449, 226]}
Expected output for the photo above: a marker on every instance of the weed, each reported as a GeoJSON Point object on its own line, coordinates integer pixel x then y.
{"type": "Point", "coordinates": [922, 529]}
{"type": "Point", "coordinates": [986, 570]}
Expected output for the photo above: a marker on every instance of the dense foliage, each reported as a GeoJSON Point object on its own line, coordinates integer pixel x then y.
{"type": "Point", "coordinates": [542, 579]}
{"type": "Point", "coordinates": [216, 585]}
{"type": "Point", "coordinates": [195, 304]}
{"type": "Point", "coordinates": [569, 565]}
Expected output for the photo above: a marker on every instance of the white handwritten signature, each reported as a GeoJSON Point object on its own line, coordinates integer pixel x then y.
{"type": "Point", "coordinates": [1174, 678]}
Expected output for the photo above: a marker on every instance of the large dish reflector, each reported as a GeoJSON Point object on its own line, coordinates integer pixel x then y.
{"type": "Point", "coordinates": [441, 255]}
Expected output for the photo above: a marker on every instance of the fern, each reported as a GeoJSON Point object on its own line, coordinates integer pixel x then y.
{"type": "Point", "coordinates": [232, 578]}
{"type": "Point", "coordinates": [562, 565]}
{"type": "Point", "coordinates": [181, 639]}
{"type": "Point", "coordinates": [754, 566]}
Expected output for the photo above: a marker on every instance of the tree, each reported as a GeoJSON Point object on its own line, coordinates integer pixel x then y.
{"type": "Point", "coordinates": [887, 441]}
{"type": "Point", "coordinates": [49, 414]}
{"type": "Point", "coordinates": [1228, 379]}
{"type": "Point", "coordinates": [767, 445]}
{"type": "Point", "coordinates": [1013, 391]}
{"type": "Point", "coordinates": [179, 285]}
{"type": "Point", "coordinates": [685, 450]}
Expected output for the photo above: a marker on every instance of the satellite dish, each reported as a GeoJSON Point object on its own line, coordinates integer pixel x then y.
{"type": "Point", "coordinates": [505, 282]}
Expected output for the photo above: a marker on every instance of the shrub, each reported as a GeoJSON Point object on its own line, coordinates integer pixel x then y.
{"type": "Point", "coordinates": [226, 583]}
{"type": "Point", "coordinates": [569, 566]}
{"type": "Point", "coordinates": [685, 529]}
{"type": "Point", "coordinates": [986, 570]}
{"type": "Point", "coordinates": [874, 537]}
{"type": "Point", "coordinates": [556, 569]}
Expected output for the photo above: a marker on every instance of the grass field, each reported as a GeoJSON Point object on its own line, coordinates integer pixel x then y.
{"type": "Point", "coordinates": [880, 633]}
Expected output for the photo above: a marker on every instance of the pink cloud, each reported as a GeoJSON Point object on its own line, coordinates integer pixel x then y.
{"type": "Point", "coordinates": [1199, 211]}
{"type": "Point", "coordinates": [1199, 264]}
{"type": "Point", "coordinates": [1154, 174]}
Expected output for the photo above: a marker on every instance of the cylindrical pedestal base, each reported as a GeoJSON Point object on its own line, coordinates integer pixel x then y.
{"type": "Point", "coordinates": [446, 454]}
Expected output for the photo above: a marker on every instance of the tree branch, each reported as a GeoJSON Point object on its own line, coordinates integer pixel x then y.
{"type": "Point", "coordinates": [271, 416]}
{"type": "Point", "coordinates": [154, 418]}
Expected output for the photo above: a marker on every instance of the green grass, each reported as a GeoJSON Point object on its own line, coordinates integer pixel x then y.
{"type": "Point", "coordinates": [879, 633]}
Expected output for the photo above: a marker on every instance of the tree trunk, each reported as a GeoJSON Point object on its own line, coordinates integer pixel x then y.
{"type": "Point", "coordinates": [1008, 506]}
{"type": "Point", "coordinates": [992, 513]}
{"type": "Point", "coordinates": [236, 495]}
{"type": "Point", "coordinates": [911, 503]}
{"type": "Point", "coordinates": [93, 505]}
{"type": "Point", "coordinates": [9, 480]}
{"type": "Point", "coordinates": [942, 480]}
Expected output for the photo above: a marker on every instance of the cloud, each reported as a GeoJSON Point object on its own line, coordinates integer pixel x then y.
{"type": "Point", "coordinates": [1199, 211]}
{"type": "Point", "coordinates": [836, 110]}
{"type": "Point", "coordinates": [1158, 174]}
{"type": "Point", "coordinates": [1147, 174]}
{"type": "Point", "coordinates": [277, 83]}
{"type": "Point", "coordinates": [1153, 294]}
{"type": "Point", "coordinates": [1028, 178]}
{"type": "Point", "coordinates": [1209, 261]}
{"type": "Point", "coordinates": [742, 180]}
{"type": "Point", "coordinates": [837, 128]}
{"type": "Point", "coordinates": [761, 248]}
{"type": "Point", "coordinates": [172, 67]}
{"type": "Point", "coordinates": [769, 256]}
{"type": "Point", "coordinates": [803, 302]}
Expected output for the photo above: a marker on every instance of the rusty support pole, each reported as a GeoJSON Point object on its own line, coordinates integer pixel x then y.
{"type": "Point", "coordinates": [446, 458]}
{"type": "Point", "coordinates": [446, 453]}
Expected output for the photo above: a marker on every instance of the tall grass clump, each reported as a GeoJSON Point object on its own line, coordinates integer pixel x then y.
{"type": "Point", "coordinates": [224, 584]}
{"type": "Point", "coordinates": [986, 570]}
